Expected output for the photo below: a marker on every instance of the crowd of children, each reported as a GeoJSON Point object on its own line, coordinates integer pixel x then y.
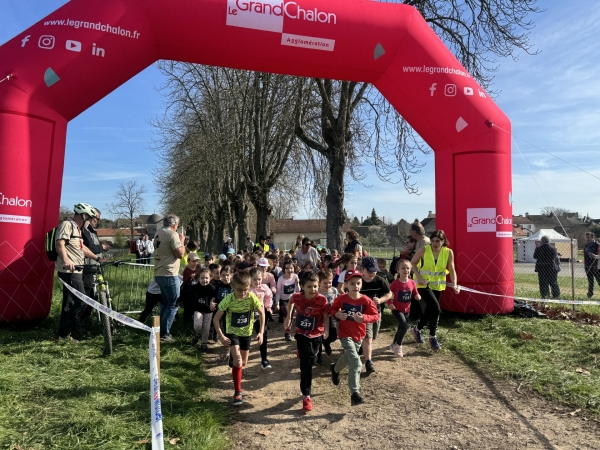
{"type": "Point", "coordinates": [322, 296]}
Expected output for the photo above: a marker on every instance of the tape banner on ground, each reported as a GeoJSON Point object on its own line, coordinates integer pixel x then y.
{"type": "Point", "coordinates": [155, 408]}
{"type": "Point", "coordinates": [528, 299]}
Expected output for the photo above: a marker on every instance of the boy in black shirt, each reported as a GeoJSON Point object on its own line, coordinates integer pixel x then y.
{"type": "Point", "coordinates": [223, 289]}
{"type": "Point", "coordinates": [199, 304]}
{"type": "Point", "coordinates": [378, 290]}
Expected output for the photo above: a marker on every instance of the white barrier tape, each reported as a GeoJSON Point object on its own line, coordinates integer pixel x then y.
{"type": "Point", "coordinates": [106, 310]}
{"type": "Point", "coordinates": [528, 299]}
{"type": "Point", "coordinates": [155, 408]}
{"type": "Point", "coordinates": [156, 329]}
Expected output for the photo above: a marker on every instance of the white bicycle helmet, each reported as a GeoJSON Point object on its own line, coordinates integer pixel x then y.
{"type": "Point", "coordinates": [81, 208]}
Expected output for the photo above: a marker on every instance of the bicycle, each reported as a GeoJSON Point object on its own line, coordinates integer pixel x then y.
{"type": "Point", "coordinates": [101, 293]}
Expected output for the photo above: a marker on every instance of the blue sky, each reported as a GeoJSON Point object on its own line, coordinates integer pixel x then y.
{"type": "Point", "coordinates": [552, 100]}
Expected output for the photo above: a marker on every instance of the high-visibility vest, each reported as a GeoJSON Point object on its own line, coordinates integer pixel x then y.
{"type": "Point", "coordinates": [434, 273]}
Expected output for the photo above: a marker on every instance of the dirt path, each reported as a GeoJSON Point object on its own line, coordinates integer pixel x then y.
{"type": "Point", "coordinates": [462, 408]}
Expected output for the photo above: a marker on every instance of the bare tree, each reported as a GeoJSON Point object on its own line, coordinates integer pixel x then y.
{"type": "Point", "coordinates": [129, 202]}
{"type": "Point", "coordinates": [333, 123]}
{"type": "Point", "coordinates": [554, 210]}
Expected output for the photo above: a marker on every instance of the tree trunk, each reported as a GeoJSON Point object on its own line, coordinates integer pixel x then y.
{"type": "Point", "coordinates": [260, 200]}
{"type": "Point", "coordinates": [217, 244]}
{"type": "Point", "coordinates": [202, 237]}
{"type": "Point", "coordinates": [336, 216]}
{"type": "Point", "coordinates": [211, 236]}
{"type": "Point", "coordinates": [241, 214]}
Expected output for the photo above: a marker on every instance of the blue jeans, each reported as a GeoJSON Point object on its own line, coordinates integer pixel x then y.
{"type": "Point", "coordinates": [169, 288]}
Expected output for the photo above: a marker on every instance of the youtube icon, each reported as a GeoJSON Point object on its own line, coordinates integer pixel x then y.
{"type": "Point", "coordinates": [74, 46]}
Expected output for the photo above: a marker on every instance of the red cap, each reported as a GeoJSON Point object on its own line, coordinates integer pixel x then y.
{"type": "Point", "coordinates": [352, 274]}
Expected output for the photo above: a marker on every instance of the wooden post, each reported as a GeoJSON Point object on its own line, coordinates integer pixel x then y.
{"type": "Point", "coordinates": [156, 324]}
{"type": "Point", "coordinates": [572, 275]}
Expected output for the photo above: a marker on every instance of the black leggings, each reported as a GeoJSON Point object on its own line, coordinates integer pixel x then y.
{"type": "Point", "coordinates": [402, 326]}
{"type": "Point", "coordinates": [263, 346]}
{"type": "Point", "coordinates": [432, 309]}
{"type": "Point", "coordinates": [151, 301]}
{"type": "Point", "coordinates": [307, 350]}
{"type": "Point", "coordinates": [332, 338]}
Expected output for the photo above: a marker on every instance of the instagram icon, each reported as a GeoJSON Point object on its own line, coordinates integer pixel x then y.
{"type": "Point", "coordinates": [450, 90]}
{"type": "Point", "coordinates": [46, 42]}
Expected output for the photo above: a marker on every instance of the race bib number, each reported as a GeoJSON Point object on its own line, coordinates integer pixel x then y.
{"type": "Point", "coordinates": [240, 320]}
{"type": "Point", "coordinates": [404, 296]}
{"type": "Point", "coordinates": [289, 288]}
{"type": "Point", "coordinates": [223, 292]}
{"type": "Point", "coordinates": [306, 323]}
{"type": "Point", "coordinates": [351, 310]}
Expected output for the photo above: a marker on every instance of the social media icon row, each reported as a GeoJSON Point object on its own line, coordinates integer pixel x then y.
{"type": "Point", "coordinates": [450, 90]}
{"type": "Point", "coordinates": [48, 42]}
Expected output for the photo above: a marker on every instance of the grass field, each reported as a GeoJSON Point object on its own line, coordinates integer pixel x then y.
{"type": "Point", "coordinates": [547, 364]}
{"type": "Point", "coordinates": [69, 396]}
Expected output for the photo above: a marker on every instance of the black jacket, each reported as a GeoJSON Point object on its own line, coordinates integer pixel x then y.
{"type": "Point", "coordinates": [546, 258]}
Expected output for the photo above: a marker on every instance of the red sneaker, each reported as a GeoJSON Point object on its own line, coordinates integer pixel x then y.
{"type": "Point", "coordinates": [306, 404]}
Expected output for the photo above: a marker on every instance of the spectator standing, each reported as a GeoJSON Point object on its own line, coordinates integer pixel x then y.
{"type": "Point", "coordinates": [353, 244]}
{"type": "Point", "coordinates": [262, 244]}
{"type": "Point", "coordinates": [71, 252]}
{"type": "Point", "coordinates": [227, 245]}
{"type": "Point", "coordinates": [249, 244]}
{"type": "Point", "coordinates": [590, 251]}
{"type": "Point", "coordinates": [149, 250]}
{"type": "Point", "coordinates": [169, 251]}
{"type": "Point", "coordinates": [547, 266]}
{"type": "Point", "coordinates": [139, 249]}
{"type": "Point", "coordinates": [308, 253]}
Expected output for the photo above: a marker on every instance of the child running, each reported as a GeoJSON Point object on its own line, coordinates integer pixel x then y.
{"type": "Point", "coordinates": [264, 294]}
{"type": "Point", "coordinates": [199, 305]}
{"type": "Point", "coordinates": [286, 286]}
{"type": "Point", "coordinates": [353, 310]}
{"type": "Point", "coordinates": [404, 290]}
{"type": "Point", "coordinates": [312, 323]}
{"type": "Point", "coordinates": [330, 293]}
{"type": "Point", "coordinates": [238, 308]}
{"type": "Point", "coordinates": [223, 288]}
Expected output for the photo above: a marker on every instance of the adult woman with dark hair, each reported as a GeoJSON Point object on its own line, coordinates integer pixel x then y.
{"type": "Point", "coordinates": [547, 266]}
{"type": "Point", "coordinates": [430, 266]}
{"type": "Point", "coordinates": [353, 244]}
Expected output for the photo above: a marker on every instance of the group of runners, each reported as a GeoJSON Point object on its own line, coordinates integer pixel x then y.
{"type": "Point", "coordinates": [319, 297]}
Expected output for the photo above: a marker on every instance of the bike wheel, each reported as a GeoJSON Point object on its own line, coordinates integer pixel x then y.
{"type": "Point", "coordinates": [106, 329]}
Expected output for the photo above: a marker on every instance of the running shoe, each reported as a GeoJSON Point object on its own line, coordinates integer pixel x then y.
{"type": "Point", "coordinates": [204, 348]}
{"type": "Point", "coordinates": [195, 339]}
{"type": "Point", "coordinates": [306, 404]}
{"type": "Point", "coordinates": [166, 338]}
{"type": "Point", "coordinates": [434, 344]}
{"type": "Point", "coordinates": [369, 367]}
{"type": "Point", "coordinates": [397, 349]}
{"type": "Point", "coordinates": [417, 335]}
{"type": "Point", "coordinates": [237, 399]}
{"type": "Point", "coordinates": [356, 399]}
{"type": "Point", "coordinates": [265, 365]}
{"type": "Point", "coordinates": [335, 376]}
{"type": "Point", "coordinates": [288, 337]}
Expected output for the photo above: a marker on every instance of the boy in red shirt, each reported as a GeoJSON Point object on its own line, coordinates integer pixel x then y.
{"type": "Point", "coordinates": [312, 324]}
{"type": "Point", "coordinates": [404, 289]}
{"type": "Point", "coordinates": [353, 310]}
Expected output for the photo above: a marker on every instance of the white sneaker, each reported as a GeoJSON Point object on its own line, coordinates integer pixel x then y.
{"type": "Point", "coordinates": [397, 349]}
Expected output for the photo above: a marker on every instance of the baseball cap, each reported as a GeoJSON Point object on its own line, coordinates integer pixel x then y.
{"type": "Point", "coordinates": [230, 251]}
{"type": "Point", "coordinates": [352, 274]}
{"type": "Point", "coordinates": [222, 256]}
{"type": "Point", "coordinates": [263, 262]}
{"type": "Point", "coordinates": [207, 256]}
{"type": "Point", "coordinates": [369, 264]}
{"type": "Point", "coordinates": [227, 238]}
{"type": "Point", "coordinates": [193, 257]}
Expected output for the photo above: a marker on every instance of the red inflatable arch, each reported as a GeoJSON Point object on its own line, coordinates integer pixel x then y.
{"type": "Point", "coordinates": [74, 57]}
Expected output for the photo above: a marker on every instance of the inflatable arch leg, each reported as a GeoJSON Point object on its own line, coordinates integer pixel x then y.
{"type": "Point", "coordinates": [77, 55]}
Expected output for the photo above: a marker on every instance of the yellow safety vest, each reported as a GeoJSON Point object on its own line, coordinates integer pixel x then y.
{"type": "Point", "coordinates": [434, 273]}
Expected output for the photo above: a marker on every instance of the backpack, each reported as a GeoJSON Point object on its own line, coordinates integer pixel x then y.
{"type": "Point", "coordinates": [51, 252]}
{"type": "Point", "coordinates": [133, 247]}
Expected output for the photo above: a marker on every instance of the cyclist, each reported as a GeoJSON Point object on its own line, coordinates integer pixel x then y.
{"type": "Point", "coordinates": [92, 242]}
{"type": "Point", "coordinates": [71, 252]}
